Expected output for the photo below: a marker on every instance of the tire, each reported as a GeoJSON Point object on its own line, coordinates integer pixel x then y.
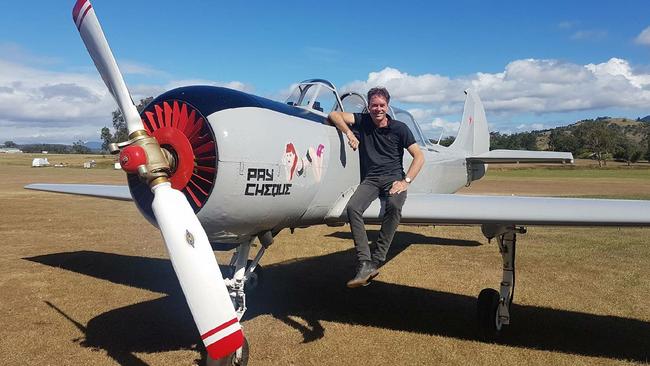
{"type": "Point", "coordinates": [486, 311]}
{"type": "Point", "coordinates": [230, 360]}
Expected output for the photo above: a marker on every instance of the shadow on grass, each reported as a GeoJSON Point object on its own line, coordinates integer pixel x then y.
{"type": "Point", "coordinates": [314, 289]}
{"type": "Point", "coordinates": [404, 239]}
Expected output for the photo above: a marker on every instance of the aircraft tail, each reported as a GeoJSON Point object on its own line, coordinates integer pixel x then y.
{"type": "Point", "coordinates": [473, 135]}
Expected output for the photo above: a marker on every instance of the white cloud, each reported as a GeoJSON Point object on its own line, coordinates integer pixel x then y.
{"type": "Point", "coordinates": [619, 70]}
{"type": "Point", "coordinates": [643, 37]}
{"type": "Point", "coordinates": [37, 104]}
{"type": "Point", "coordinates": [38, 96]}
{"type": "Point", "coordinates": [408, 88]}
{"type": "Point", "coordinates": [529, 85]}
{"type": "Point", "coordinates": [433, 126]}
{"type": "Point", "coordinates": [567, 24]}
{"type": "Point", "coordinates": [51, 106]}
{"type": "Point", "coordinates": [530, 127]}
{"type": "Point", "coordinates": [439, 123]}
{"type": "Point", "coordinates": [589, 35]}
{"type": "Point", "coordinates": [135, 68]}
{"type": "Point", "coordinates": [16, 53]}
{"type": "Point", "coordinates": [284, 94]}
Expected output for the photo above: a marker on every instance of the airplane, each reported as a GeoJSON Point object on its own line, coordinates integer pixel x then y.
{"type": "Point", "coordinates": [215, 168]}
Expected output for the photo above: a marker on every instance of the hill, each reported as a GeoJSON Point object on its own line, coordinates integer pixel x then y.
{"type": "Point", "coordinates": [635, 131]}
{"type": "Point", "coordinates": [602, 139]}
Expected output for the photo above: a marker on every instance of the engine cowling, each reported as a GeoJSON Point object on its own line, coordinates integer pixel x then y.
{"type": "Point", "coordinates": [183, 130]}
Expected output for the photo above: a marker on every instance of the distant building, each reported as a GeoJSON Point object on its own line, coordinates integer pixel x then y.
{"type": "Point", "coordinates": [90, 164]}
{"type": "Point", "coordinates": [40, 162]}
{"type": "Point", "coordinates": [10, 150]}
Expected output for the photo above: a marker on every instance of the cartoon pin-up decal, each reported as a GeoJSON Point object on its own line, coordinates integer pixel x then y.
{"type": "Point", "coordinates": [290, 160]}
{"type": "Point", "coordinates": [320, 153]}
{"type": "Point", "coordinates": [315, 159]}
{"type": "Point", "coordinates": [297, 166]}
{"type": "Point", "coordinates": [311, 159]}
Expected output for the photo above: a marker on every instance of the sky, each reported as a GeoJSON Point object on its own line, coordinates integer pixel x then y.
{"type": "Point", "coordinates": [536, 65]}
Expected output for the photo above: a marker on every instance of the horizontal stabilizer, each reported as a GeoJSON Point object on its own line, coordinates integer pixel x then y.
{"type": "Point", "coordinates": [521, 156]}
{"type": "Point", "coordinates": [515, 210]}
{"type": "Point", "coordinates": [116, 192]}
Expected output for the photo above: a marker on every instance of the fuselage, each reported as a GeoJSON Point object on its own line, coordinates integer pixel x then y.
{"type": "Point", "coordinates": [280, 166]}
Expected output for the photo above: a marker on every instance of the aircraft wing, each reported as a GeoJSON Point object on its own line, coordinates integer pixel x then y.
{"type": "Point", "coordinates": [116, 192]}
{"type": "Point", "coordinates": [477, 209]}
{"type": "Point", "coordinates": [521, 156]}
{"type": "Point", "coordinates": [421, 208]}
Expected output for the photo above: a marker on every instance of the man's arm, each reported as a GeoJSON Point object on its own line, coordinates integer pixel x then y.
{"type": "Point", "coordinates": [342, 120]}
{"type": "Point", "coordinates": [417, 163]}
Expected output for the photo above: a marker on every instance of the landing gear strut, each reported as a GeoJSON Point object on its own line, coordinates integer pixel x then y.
{"type": "Point", "coordinates": [245, 273]}
{"type": "Point", "coordinates": [493, 307]}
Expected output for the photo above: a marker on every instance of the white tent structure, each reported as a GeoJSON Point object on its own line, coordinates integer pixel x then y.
{"type": "Point", "coordinates": [40, 162]}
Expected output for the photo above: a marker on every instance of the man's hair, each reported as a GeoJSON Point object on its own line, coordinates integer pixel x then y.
{"type": "Point", "coordinates": [379, 90]}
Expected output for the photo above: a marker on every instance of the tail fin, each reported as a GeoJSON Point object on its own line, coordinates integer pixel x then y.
{"type": "Point", "coordinates": [473, 135]}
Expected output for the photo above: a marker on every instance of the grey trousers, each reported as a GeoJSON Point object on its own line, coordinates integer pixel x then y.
{"type": "Point", "coordinates": [369, 189]}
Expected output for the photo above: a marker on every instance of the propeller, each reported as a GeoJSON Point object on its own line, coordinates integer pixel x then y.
{"type": "Point", "coordinates": [186, 241]}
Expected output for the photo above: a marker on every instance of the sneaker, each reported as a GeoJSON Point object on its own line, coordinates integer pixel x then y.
{"type": "Point", "coordinates": [366, 272]}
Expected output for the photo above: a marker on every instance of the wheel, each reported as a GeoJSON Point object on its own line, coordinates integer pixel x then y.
{"type": "Point", "coordinates": [486, 310]}
{"type": "Point", "coordinates": [231, 359]}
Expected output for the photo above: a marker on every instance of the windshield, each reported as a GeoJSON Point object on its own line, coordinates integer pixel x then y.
{"type": "Point", "coordinates": [320, 96]}
{"type": "Point", "coordinates": [407, 118]}
{"type": "Point", "coordinates": [354, 103]}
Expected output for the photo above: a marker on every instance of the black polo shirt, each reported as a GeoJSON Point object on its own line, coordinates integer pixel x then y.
{"type": "Point", "coordinates": [381, 149]}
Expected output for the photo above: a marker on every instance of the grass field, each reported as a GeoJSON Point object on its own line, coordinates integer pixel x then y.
{"type": "Point", "coordinates": [621, 172]}
{"type": "Point", "coordinates": [71, 160]}
{"type": "Point", "coordinates": [87, 281]}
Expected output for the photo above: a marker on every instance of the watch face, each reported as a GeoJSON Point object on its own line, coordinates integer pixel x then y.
{"type": "Point", "coordinates": [408, 180]}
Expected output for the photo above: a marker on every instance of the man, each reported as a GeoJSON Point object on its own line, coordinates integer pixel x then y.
{"type": "Point", "coordinates": [381, 144]}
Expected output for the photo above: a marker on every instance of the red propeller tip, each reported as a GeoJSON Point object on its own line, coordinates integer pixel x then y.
{"type": "Point", "coordinates": [79, 10]}
{"type": "Point", "coordinates": [226, 345]}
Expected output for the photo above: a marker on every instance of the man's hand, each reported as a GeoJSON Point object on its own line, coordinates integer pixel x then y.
{"type": "Point", "coordinates": [398, 187]}
{"type": "Point", "coordinates": [352, 140]}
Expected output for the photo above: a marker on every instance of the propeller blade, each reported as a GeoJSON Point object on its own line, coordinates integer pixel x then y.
{"type": "Point", "coordinates": [91, 32]}
{"type": "Point", "coordinates": [186, 241]}
{"type": "Point", "coordinates": [197, 271]}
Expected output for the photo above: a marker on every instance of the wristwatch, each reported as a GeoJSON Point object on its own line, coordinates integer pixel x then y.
{"type": "Point", "coordinates": [408, 180]}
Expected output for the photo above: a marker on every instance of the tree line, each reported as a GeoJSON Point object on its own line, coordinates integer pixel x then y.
{"type": "Point", "coordinates": [600, 139]}
{"type": "Point", "coordinates": [77, 147]}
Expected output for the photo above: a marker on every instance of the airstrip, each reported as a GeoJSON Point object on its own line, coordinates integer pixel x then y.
{"type": "Point", "coordinates": [86, 281]}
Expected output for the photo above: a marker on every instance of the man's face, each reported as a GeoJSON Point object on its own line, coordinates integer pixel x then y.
{"type": "Point", "coordinates": [377, 108]}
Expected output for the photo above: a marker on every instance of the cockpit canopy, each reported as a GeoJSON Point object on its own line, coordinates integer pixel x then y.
{"type": "Point", "coordinates": [317, 95]}
{"type": "Point", "coordinates": [321, 97]}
